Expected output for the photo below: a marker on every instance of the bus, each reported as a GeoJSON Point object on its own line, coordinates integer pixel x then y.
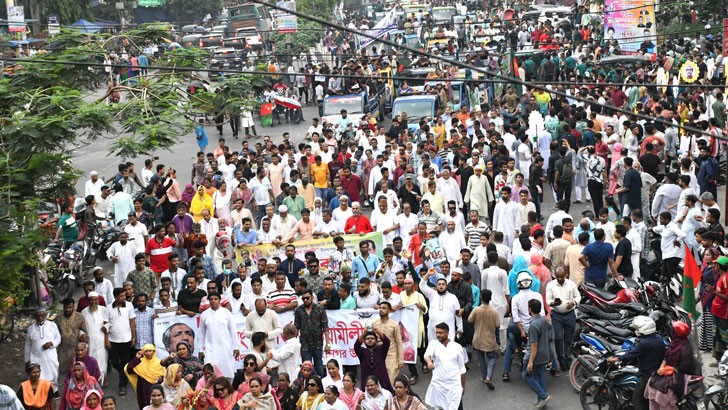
{"type": "Point", "coordinates": [250, 15]}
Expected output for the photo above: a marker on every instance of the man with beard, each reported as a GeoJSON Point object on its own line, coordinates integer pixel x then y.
{"type": "Point", "coordinates": [445, 358]}
{"type": "Point", "coordinates": [387, 327]}
{"type": "Point", "coordinates": [73, 330]}
{"type": "Point", "coordinates": [41, 342]}
{"type": "Point", "coordinates": [444, 306]}
{"type": "Point", "coordinates": [328, 297]}
{"type": "Point", "coordinates": [452, 241]}
{"type": "Point", "coordinates": [311, 321]}
{"type": "Point", "coordinates": [479, 193]}
{"type": "Point", "coordinates": [357, 223]}
{"type": "Point", "coordinates": [373, 356]}
{"type": "Point", "coordinates": [366, 298]}
{"type": "Point", "coordinates": [97, 325]}
{"type": "Point", "coordinates": [103, 287]}
{"type": "Point", "coordinates": [121, 254]}
{"type": "Point", "coordinates": [291, 266]}
{"type": "Point", "coordinates": [464, 293]}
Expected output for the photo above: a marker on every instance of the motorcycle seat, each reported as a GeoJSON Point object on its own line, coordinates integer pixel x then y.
{"type": "Point", "coordinates": [600, 292]}
{"type": "Point", "coordinates": [618, 331]}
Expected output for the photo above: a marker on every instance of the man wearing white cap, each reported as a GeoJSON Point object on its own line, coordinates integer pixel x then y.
{"type": "Point", "coordinates": [479, 193]}
{"type": "Point", "coordinates": [282, 223]}
{"type": "Point", "coordinates": [97, 325]}
{"type": "Point", "coordinates": [343, 212]}
{"type": "Point", "coordinates": [93, 185]}
{"type": "Point", "coordinates": [40, 346]}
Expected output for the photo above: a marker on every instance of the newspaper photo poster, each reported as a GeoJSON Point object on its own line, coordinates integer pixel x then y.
{"type": "Point", "coordinates": [631, 23]}
{"type": "Point", "coordinates": [345, 326]}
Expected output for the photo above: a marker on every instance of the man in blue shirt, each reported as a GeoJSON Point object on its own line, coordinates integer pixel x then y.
{"type": "Point", "coordinates": [344, 125]}
{"type": "Point", "coordinates": [245, 235]}
{"type": "Point", "coordinates": [598, 257]}
{"type": "Point", "coordinates": [365, 265]}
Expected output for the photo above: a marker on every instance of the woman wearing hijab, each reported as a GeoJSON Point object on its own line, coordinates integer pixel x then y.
{"type": "Point", "coordinates": [191, 365]}
{"type": "Point", "coordinates": [200, 202]}
{"type": "Point", "coordinates": [77, 385]}
{"type": "Point", "coordinates": [144, 371]}
{"type": "Point", "coordinates": [92, 400]}
{"type": "Point", "coordinates": [540, 271]}
{"type": "Point", "coordinates": [174, 386]}
{"type": "Point", "coordinates": [375, 398]}
{"type": "Point", "coordinates": [666, 385]}
{"type": "Point", "coordinates": [188, 194]}
{"type": "Point", "coordinates": [36, 393]}
{"type": "Point", "coordinates": [256, 398]}
{"type": "Point", "coordinates": [303, 377]}
{"type": "Point", "coordinates": [520, 265]}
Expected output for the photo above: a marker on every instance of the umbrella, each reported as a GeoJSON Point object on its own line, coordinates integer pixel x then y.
{"type": "Point", "coordinates": [289, 103]}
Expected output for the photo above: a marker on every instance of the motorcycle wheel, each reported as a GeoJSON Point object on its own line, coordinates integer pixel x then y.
{"type": "Point", "coordinates": [65, 288]}
{"type": "Point", "coordinates": [595, 397]}
{"type": "Point", "coordinates": [690, 404]}
{"type": "Point", "coordinates": [717, 402]}
{"type": "Point", "coordinates": [577, 374]}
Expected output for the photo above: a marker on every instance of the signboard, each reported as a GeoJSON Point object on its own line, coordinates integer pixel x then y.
{"type": "Point", "coordinates": [287, 23]}
{"type": "Point", "coordinates": [150, 3]}
{"type": "Point", "coordinates": [53, 26]}
{"type": "Point", "coordinates": [16, 19]}
{"type": "Point", "coordinates": [632, 24]}
{"type": "Point", "coordinates": [345, 326]}
{"type": "Point", "coordinates": [725, 38]}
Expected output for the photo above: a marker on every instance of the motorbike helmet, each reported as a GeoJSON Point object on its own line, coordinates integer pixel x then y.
{"type": "Point", "coordinates": [643, 326]}
{"type": "Point", "coordinates": [681, 328]}
{"type": "Point", "coordinates": [524, 280]}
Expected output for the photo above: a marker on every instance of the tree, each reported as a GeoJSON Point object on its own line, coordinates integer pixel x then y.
{"type": "Point", "coordinates": [68, 11]}
{"type": "Point", "coordinates": [45, 118]}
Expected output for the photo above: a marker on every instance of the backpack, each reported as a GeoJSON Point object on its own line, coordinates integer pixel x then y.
{"type": "Point", "coordinates": [566, 172]}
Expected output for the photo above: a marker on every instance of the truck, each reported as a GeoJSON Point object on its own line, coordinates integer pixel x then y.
{"type": "Point", "coordinates": [443, 15]}
{"type": "Point", "coordinates": [250, 15]}
{"type": "Point", "coordinates": [417, 107]}
{"type": "Point", "coordinates": [356, 106]}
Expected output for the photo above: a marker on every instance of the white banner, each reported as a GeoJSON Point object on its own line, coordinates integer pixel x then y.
{"type": "Point", "coordinates": [345, 326]}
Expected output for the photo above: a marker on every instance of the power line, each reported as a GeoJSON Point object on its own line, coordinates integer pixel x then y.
{"type": "Point", "coordinates": [473, 68]}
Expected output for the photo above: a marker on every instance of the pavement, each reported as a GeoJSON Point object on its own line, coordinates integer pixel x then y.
{"type": "Point", "coordinates": [516, 394]}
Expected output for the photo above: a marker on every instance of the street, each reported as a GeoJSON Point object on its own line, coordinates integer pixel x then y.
{"type": "Point", "coordinates": [96, 157]}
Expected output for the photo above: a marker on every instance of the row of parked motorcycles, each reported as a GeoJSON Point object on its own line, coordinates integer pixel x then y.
{"type": "Point", "coordinates": [604, 330]}
{"type": "Point", "coordinates": [65, 266]}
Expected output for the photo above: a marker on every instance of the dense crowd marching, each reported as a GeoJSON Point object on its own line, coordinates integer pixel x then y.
{"type": "Point", "coordinates": [458, 203]}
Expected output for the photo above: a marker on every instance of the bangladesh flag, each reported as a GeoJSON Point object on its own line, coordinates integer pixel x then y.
{"type": "Point", "coordinates": [691, 277]}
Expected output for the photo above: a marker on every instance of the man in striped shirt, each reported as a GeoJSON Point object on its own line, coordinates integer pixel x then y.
{"type": "Point", "coordinates": [281, 299]}
{"type": "Point", "coordinates": [158, 250]}
{"type": "Point", "coordinates": [474, 230]}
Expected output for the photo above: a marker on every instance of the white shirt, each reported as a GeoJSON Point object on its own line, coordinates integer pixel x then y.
{"type": "Point", "coordinates": [105, 289]}
{"type": "Point", "coordinates": [445, 389]}
{"type": "Point", "coordinates": [519, 307]}
{"type": "Point", "coordinates": [450, 190]}
{"type": "Point", "coordinates": [288, 356]}
{"type": "Point", "coordinates": [670, 233]}
{"type": "Point", "coordinates": [406, 225]}
{"type": "Point", "coordinates": [443, 308]}
{"type": "Point", "coordinates": [495, 279]}
{"type": "Point", "coordinates": [381, 221]}
{"type": "Point", "coordinates": [93, 188]}
{"type": "Point", "coordinates": [119, 325]}
{"type": "Point", "coordinates": [329, 227]}
{"type": "Point", "coordinates": [506, 218]}
{"type": "Point", "coordinates": [136, 234]}
{"type": "Point", "coordinates": [176, 278]}
{"type": "Point", "coordinates": [260, 190]}
{"type": "Point", "coordinates": [125, 264]}
{"type": "Point", "coordinates": [568, 292]}
{"type": "Point", "coordinates": [555, 220]}
{"type": "Point", "coordinates": [341, 216]}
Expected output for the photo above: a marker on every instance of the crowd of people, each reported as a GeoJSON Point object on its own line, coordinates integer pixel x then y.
{"type": "Point", "coordinates": [467, 240]}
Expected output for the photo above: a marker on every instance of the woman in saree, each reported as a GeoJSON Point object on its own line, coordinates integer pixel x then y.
{"type": "Point", "coordinates": [350, 395]}
{"type": "Point", "coordinates": [174, 386]}
{"type": "Point", "coordinates": [256, 398]}
{"type": "Point", "coordinates": [144, 371]}
{"type": "Point", "coordinates": [210, 373]}
{"type": "Point", "coordinates": [36, 393]}
{"type": "Point", "coordinates": [92, 400]}
{"type": "Point", "coordinates": [246, 194]}
{"type": "Point", "coordinates": [403, 398]}
{"type": "Point", "coordinates": [77, 385]}
{"type": "Point", "coordinates": [313, 396]}
{"type": "Point", "coordinates": [375, 397]}
{"type": "Point", "coordinates": [199, 203]}
{"type": "Point", "coordinates": [226, 398]}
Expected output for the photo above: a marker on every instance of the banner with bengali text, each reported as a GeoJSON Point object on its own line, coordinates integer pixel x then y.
{"type": "Point", "coordinates": [345, 326]}
{"type": "Point", "coordinates": [322, 247]}
{"type": "Point", "coordinates": [632, 24]}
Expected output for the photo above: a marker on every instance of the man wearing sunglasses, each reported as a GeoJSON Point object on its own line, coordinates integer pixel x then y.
{"type": "Point", "coordinates": [311, 320]}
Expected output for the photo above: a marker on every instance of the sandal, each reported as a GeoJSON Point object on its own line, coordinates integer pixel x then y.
{"type": "Point", "coordinates": [506, 377]}
{"type": "Point", "coordinates": [488, 382]}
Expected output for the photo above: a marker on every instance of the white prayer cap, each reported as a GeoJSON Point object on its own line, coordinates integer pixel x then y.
{"type": "Point", "coordinates": [93, 295]}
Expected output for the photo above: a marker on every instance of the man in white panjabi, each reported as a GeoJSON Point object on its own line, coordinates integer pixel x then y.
{"type": "Point", "coordinates": [209, 226]}
{"type": "Point", "coordinates": [444, 306]}
{"type": "Point", "coordinates": [496, 280]}
{"type": "Point", "coordinates": [40, 346]}
{"type": "Point", "coordinates": [446, 359]}
{"type": "Point", "coordinates": [507, 217]}
{"type": "Point", "coordinates": [220, 341]}
{"type": "Point", "coordinates": [122, 254]}
{"type": "Point", "coordinates": [97, 324]}
{"type": "Point", "coordinates": [479, 193]}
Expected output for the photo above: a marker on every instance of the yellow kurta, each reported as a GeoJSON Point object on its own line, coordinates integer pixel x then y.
{"type": "Point", "coordinates": [395, 355]}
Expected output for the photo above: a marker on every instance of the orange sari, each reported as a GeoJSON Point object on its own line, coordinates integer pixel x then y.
{"type": "Point", "coordinates": [37, 399]}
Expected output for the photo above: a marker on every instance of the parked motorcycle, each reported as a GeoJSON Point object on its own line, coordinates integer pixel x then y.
{"type": "Point", "coordinates": [587, 350]}
{"type": "Point", "coordinates": [716, 397]}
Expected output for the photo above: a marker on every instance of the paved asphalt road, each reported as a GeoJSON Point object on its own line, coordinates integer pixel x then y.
{"type": "Point", "coordinates": [514, 395]}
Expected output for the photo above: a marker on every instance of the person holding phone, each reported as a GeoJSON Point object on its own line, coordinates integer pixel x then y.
{"type": "Point", "coordinates": [563, 296]}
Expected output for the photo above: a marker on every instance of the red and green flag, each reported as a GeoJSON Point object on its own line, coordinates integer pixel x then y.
{"type": "Point", "coordinates": [691, 277]}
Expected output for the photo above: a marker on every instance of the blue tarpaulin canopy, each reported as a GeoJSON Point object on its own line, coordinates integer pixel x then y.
{"type": "Point", "coordinates": [91, 27]}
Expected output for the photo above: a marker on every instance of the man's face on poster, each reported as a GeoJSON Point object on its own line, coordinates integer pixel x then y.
{"type": "Point", "coordinates": [177, 333]}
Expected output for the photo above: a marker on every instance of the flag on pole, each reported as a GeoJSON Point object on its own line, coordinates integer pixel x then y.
{"type": "Point", "coordinates": [691, 277]}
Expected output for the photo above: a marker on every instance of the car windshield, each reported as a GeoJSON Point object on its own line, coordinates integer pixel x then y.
{"type": "Point", "coordinates": [415, 109]}
{"type": "Point", "coordinates": [334, 105]}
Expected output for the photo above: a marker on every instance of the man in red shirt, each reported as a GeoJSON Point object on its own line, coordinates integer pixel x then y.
{"type": "Point", "coordinates": [416, 242]}
{"type": "Point", "coordinates": [618, 96]}
{"type": "Point", "coordinates": [158, 250]}
{"type": "Point", "coordinates": [352, 185]}
{"type": "Point", "coordinates": [357, 223]}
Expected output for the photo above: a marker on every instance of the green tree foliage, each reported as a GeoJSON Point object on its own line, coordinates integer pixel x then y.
{"type": "Point", "coordinates": [192, 11]}
{"type": "Point", "coordinates": [68, 11]}
{"type": "Point", "coordinates": [46, 112]}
